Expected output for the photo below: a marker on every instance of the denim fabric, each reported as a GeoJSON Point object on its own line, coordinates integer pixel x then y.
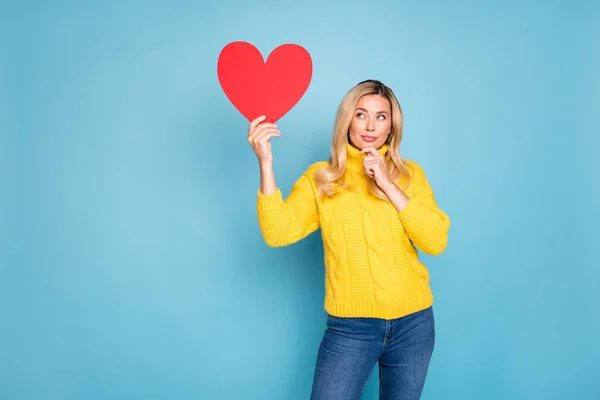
{"type": "Point", "coordinates": [351, 347]}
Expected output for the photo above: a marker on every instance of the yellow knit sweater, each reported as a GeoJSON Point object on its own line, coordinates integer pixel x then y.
{"type": "Point", "coordinates": [371, 261]}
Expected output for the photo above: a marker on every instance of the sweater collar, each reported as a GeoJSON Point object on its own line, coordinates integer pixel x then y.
{"type": "Point", "coordinates": [354, 160]}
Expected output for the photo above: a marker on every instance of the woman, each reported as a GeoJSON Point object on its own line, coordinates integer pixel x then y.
{"type": "Point", "coordinates": [374, 209]}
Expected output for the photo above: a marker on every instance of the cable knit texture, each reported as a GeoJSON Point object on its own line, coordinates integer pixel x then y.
{"type": "Point", "coordinates": [370, 249]}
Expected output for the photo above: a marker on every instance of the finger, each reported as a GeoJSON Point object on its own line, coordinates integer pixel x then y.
{"type": "Point", "coordinates": [255, 122]}
{"type": "Point", "coordinates": [257, 138]}
{"type": "Point", "coordinates": [263, 136]}
{"type": "Point", "coordinates": [372, 168]}
{"type": "Point", "coordinates": [260, 125]}
{"type": "Point", "coordinates": [267, 137]}
{"type": "Point", "coordinates": [369, 165]}
{"type": "Point", "coordinates": [262, 129]}
{"type": "Point", "coordinates": [373, 159]}
{"type": "Point", "coordinates": [372, 162]}
{"type": "Point", "coordinates": [370, 150]}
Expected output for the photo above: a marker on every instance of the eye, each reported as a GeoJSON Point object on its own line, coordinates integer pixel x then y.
{"type": "Point", "coordinates": [360, 115]}
{"type": "Point", "coordinates": [381, 116]}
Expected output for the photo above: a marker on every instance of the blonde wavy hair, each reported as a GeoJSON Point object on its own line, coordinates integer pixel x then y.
{"type": "Point", "coordinates": [330, 178]}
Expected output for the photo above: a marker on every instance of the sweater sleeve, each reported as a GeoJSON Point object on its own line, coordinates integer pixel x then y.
{"type": "Point", "coordinates": [284, 222]}
{"type": "Point", "coordinates": [426, 224]}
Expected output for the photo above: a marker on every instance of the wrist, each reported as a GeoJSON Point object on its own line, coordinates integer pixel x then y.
{"type": "Point", "coordinates": [389, 187]}
{"type": "Point", "coordinates": [265, 163]}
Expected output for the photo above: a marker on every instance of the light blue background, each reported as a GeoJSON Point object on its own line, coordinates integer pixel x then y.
{"type": "Point", "coordinates": [132, 265]}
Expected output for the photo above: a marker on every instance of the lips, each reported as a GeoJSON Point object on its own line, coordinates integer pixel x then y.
{"type": "Point", "coordinates": [369, 138]}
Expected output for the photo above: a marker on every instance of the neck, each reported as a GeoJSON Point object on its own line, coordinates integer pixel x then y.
{"type": "Point", "coordinates": [355, 159]}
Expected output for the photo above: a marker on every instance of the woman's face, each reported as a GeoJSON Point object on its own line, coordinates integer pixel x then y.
{"type": "Point", "coordinates": [371, 122]}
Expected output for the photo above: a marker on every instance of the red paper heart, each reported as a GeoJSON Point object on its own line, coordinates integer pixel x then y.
{"type": "Point", "coordinates": [268, 88]}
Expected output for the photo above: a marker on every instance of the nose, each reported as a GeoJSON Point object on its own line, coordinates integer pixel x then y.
{"type": "Point", "coordinates": [370, 126]}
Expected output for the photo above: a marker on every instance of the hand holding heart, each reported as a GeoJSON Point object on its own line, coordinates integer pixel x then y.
{"type": "Point", "coordinates": [374, 165]}
{"type": "Point", "coordinates": [259, 135]}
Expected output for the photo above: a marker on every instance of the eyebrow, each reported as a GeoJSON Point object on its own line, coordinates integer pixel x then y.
{"type": "Point", "coordinates": [378, 112]}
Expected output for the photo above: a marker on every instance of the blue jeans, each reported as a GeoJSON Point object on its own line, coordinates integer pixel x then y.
{"type": "Point", "coordinates": [351, 346]}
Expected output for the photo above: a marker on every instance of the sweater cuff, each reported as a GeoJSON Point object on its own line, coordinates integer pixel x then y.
{"type": "Point", "coordinates": [410, 212]}
{"type": "Point", "coordinates": [269, 201]}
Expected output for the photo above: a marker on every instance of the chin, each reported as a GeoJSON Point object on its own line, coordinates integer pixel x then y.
{"type": "Point", "coordinates": [377, 144]}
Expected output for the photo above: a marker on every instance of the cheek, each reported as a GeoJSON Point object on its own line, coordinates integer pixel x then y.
{"type": "Point", "coordinates": [355, 126]}
{"type": "Point", "coordinates": [386, 126]}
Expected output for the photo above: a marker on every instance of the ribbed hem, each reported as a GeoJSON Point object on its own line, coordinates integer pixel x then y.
{"type": "Point", "coordinates": [411, 211]}
{"type": "Point", "coordinates": [274, 199]}
{"type": "Point", "coordinates": [372, 309]}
